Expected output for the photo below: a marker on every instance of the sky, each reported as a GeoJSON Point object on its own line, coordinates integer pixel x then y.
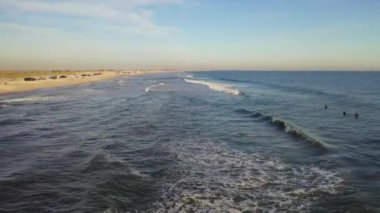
{"type": "Point", "coordinates": [190, 34]}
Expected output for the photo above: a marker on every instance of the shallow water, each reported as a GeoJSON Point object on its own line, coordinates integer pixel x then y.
{"type": "Point", "coordinates": [203, 142]}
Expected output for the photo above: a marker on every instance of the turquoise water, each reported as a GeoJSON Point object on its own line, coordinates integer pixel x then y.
{"type": "Point", "coordinates": [195, 141]}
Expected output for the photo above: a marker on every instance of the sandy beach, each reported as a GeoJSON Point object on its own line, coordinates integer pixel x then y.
{"type": "Point", "coordinates": [13, 82]}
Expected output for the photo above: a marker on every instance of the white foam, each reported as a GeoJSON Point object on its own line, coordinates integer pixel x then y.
{"type": "Point", "coordinates": [151, 87]}
{"type": "Point", "coordinates": [5, 105]}
{"type": "Point", "coordinates": [211, 177]}
{"type": "Point", "coordinates": [216, 86]}
{"type": "Point", "coordinates": [29, 99]}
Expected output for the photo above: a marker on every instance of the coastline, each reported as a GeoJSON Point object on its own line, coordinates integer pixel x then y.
{"type": "Point", "coordinates": [14, 82]}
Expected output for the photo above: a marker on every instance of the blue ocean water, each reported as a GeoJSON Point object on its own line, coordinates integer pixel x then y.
{"type": "Point", "coordinates": [222, 141]}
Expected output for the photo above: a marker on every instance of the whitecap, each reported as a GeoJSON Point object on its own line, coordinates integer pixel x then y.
{"type": "Point", "coordinates": [3, 105]}
{"type": "Point", "coordinates": [29, 99]}
{"type": "Point", "coordinates": [216, 86]}
{"type": "Point", "coordinates": [211, 177]}
{"type": "Point", "coordinates": [151, 87]}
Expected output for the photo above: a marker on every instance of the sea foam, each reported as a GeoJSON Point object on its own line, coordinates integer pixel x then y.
{"type": "Point", "coordinates": [216, 86]}
{"type": "Point", "coordinates": [29, 99]}
{"type": "Point", "coordinates": [211, 177]}
{"type": "Point", "coordinates": [151, 87]}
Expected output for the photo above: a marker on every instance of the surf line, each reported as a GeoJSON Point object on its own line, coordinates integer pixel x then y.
{"type": "Point", "coordinates": [285, 126]}
{"type": "Point", "coordinates": [151, 87]}
{"type": "Point", "coordinates": [226, 88]}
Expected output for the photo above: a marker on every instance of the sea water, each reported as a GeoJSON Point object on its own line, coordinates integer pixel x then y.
{"type": "Point", "coordinates": [224, 141]}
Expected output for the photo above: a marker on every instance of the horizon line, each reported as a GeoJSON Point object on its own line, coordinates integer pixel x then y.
{"type": "Point", "coordinates": [197, 70]}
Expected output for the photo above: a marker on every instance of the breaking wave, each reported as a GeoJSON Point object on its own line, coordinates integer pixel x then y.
{"type": "Point", "coordinates": [216, 86]}
{"type": "Point", "coordinates": [286, 127]}
{"type": "Point", "coordinates": [297, 132]}
{"type": "Point", "coordinates": [151, 87]}
{"type": "Point", "coordinates": [30, 99]}
{"type": "Point", "coordinates": [211, 177]}
{"type": "Point", "coordinates": [3, 105]}
{"type": "Point", "coordinates": [90, 91]}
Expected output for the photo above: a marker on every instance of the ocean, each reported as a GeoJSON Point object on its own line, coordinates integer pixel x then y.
{"type": "Point", "coordinates": [221, 141]}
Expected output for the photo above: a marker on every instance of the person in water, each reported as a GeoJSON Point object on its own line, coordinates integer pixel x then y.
{"type": "Point", "coordinates": [325, 106]}
{"type": "Point", "coordinates": [344, 113]}
{"type": "Point", "coordinates": [356, 115]}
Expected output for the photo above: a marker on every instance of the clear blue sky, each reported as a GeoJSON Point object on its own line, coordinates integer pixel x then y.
{"type": "Point", "coordinates": [190, 35]}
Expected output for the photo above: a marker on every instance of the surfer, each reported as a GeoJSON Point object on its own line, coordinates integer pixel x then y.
{"type": "Point", "coordinates": [344, 113]}
{"type": "Point", "coordinates": [356, 115]}
{"type": "Point", "coordinates": [325, 106]}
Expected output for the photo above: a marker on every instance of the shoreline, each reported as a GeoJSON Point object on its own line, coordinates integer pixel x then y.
{"type": "Point", "coordinates": [14, 82]}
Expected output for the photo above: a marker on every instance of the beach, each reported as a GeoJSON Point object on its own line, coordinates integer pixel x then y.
{"type": "Point", "coordinates": [18, 81]}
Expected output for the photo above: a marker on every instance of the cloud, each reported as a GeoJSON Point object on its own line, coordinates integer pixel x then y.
{"type": "Point", "coordinates": [128, 16]}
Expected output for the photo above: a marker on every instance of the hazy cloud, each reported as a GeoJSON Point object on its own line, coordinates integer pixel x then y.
{"type": "Point", "coordinates": [128, 16]}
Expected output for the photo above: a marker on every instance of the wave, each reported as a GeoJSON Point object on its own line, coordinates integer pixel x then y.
{"type": "Point", "coordinates": [3, 105]}
{"type": "Point", "coordinates": [243, 111]}
{"type": "Point", "coordinates": [299, 90]}
{"type": "Point", "coordinates": [151, 87]}
{"type": "Point", "coordinates": [30, 99]}
{"type": "Point", "coordinates": [211, 177]}
{"type": "Point", "coordinates": [100, 162]}
{"type": "Point", "coordinates": [298, 132]}
{"type": "Point", "coordinates": [216, 86]}
{"type": "Point", "coordinates": [286, 127]}
{"type": "Point", "coordinates": [15, 121]}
